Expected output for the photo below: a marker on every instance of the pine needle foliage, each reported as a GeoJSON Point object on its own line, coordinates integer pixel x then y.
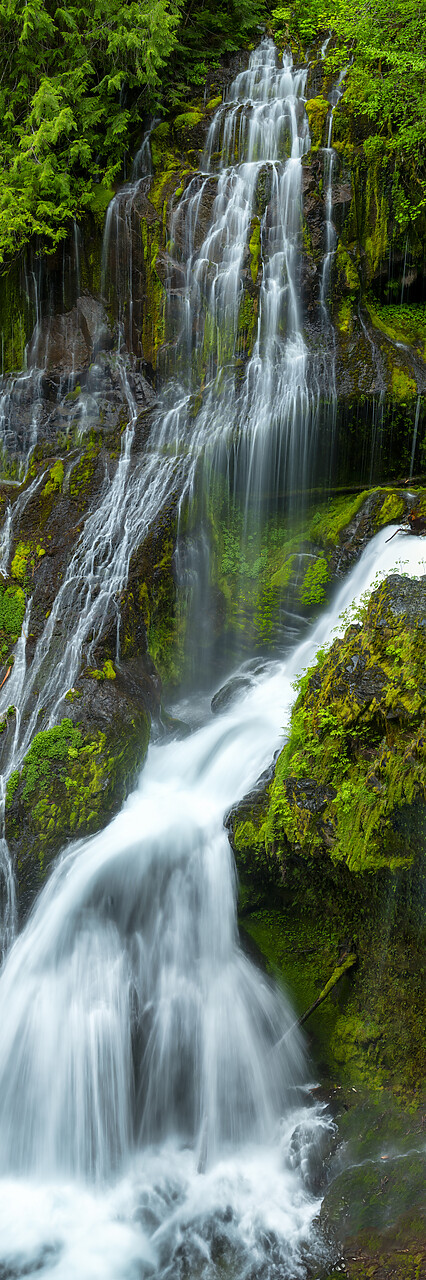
{"type": "Point", "coordinates": [74, 79]}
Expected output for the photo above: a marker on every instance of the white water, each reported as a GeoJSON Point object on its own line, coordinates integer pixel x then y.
{"type": "Point", "coordinates": [265, 424]}
{"type": "Point", "coordinates": [136, 1037]}
{"type": "Point", "coordinates": [261, 422]}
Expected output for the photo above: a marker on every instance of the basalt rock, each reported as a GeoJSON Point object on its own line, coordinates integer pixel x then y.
{"type": "Point", "coordinates": [66, 342]}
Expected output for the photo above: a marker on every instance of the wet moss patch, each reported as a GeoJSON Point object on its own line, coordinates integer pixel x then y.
{"type": "Point", "coordinates": [71, 782]}
{"type": "Point", "coordinates": [12, 612]}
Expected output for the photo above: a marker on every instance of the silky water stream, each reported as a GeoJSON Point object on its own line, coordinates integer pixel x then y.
{"type": "Point", "coordinates": [149, 1125]}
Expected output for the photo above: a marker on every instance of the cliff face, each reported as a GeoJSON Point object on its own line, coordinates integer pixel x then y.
{"type": "Point", "coordinates": [331, 850]}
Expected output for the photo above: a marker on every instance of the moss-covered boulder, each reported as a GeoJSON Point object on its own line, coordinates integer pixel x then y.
{"type": "Point", "coordinates": [331, 851]}
{"type": "Point", "coordinates": [76, 774]}
{"type": "Point", "coordinates": [317, 110]}
{"type": "Point", "coordinates": [352, 779]}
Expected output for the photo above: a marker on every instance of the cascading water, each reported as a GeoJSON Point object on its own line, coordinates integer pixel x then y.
{"type": "Point", "coordinates": [137, 1040]}
{"type": "Point", "coordinates": [265, 424]}
{"type": "Point", "coordinates": [264, 421]}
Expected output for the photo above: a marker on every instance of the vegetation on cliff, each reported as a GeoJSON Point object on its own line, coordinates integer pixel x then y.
{"type": "Point", "coordinates": [383, 48]}
{"type": "Point", "coordinates": [76, 83]}
{"type": "Point", "coordinates": [351, 781]}
{"type": "Point", "coordinates": [331, 850]}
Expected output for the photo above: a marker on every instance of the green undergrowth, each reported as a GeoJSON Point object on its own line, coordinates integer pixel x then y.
{"type": "Point", "coordinates": [382, 110]}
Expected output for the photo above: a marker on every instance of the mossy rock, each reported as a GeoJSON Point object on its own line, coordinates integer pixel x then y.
{"type": "Point", "coordinates": [12, 612]}
{"type": "Point", "coordinates": [75, 777]}
{"type": "Point", "coordinates": [332, 852]}
{"type": "Point", "coordinates": [357, 739]}
{"type": "Point", "coordinates": [317, 110]}
{"type": "Point", "coordinates": [189, 129]}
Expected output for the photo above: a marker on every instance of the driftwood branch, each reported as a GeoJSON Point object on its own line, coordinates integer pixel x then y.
{"type": "Point", "coordinates": [345, 962]}
{"type": "Point", "coordinates": [415, 524]}
{"type": "Point", "coordinates": [393, 535]}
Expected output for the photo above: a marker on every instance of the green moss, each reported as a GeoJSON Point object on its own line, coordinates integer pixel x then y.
{"type": "Point", "coordinates": [328, 523]}
{"type": "Point", "coordinates": [301, 953]}
{"type": "Point", "coordinates": [187, 121]}
{"type": "Point", "coordinates": [17, 319]}
{"type": "Point", "coordinates": [160, 139]}
{"type": "Point", "coordinates": [283, 575]}
{"type": "Point", "coordinates": [392, 509]}
{"type": "Point", "coordinates": [107, 672]}
{"type": "Point", "coordinates": [19, 564]}
{"type": "Point", "coordinates": [12, 612]}
{"type": "Point", "coordinates": [371, 757]}
{"type": "Point", "coordinates": [214, 103]}
{"type": "Point", "coordinates": [377, 217]}
{"type": "Point", "coordinates": [153, 328]}
{"type": "Point", "coordinates": [314, 583]}
{"type": "Point", "coordinates": [344, 317]}
{"type": "Point", "coordinates": [403, 386]}
{"type": "Point", "coordinates": [12, 786]}
{"type": "Point", "coordinates": [70, 783]}
{"type": "Point", "coordinates": [100, 198]}
{"type": "Point", "coordinates": [317, 111]}
{"type": "Point", "coordinates": [56, 478]}
{"type": "Point", "coordinates": [349, 278]}
{"type": "Point", "coordinates": [51, 747]}
{"type": "Point", "coordinates": [254, 246]}
{"type": "Point", "coordinates": [401, 323]}
{"type": "Point", "coordinates": [247, 323]}
{"type": "Point", "coordinates": [82, 473]}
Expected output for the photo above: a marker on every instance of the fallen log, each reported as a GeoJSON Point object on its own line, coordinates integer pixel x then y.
{"type": "Point", "coordinates": [346, 961]}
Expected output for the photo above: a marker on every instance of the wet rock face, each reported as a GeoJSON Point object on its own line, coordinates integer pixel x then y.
{"type": "Point", "coordinates": [373, 1208]}
{"type": "Point", "coordinates": [65, 343]}
{"type": "Point", "coordinates": [95, 750]}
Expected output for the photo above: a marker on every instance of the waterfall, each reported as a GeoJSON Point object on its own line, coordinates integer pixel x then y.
{"type": "Point", "coordinates": [136, 1037]}
{"type": "Point", "coordinates": [147, 1127]}
{"type": "Point", "coordinates": [265, 422]}
{"type": "Point", "coordinates": [264, 419]}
